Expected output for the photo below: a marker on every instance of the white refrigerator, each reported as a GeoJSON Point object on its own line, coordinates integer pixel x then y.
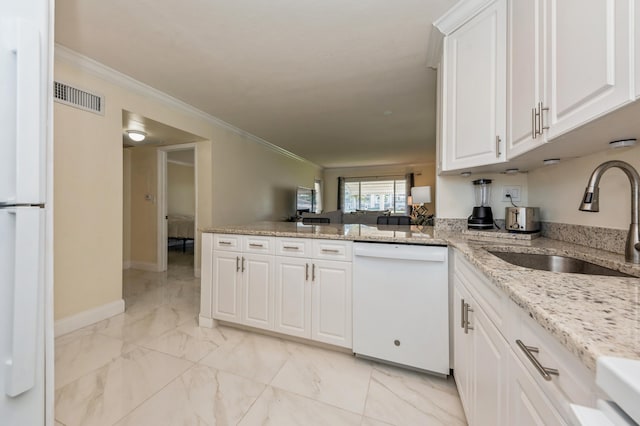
{"type": "Point", "coordinates": [26, 235]}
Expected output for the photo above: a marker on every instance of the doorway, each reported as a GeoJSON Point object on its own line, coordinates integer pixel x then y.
{"type": "Point", "coordinates": [177, 206]}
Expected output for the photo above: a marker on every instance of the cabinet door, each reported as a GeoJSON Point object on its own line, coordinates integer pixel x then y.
{"type": "Point", "coordinates": [293, 296]}
{"type": "Point", "coordinates": [227, 288]}
{"type": "Point", "coordinates": [588, 60]}
{"type": "Point", "coordinates": [474, 99]}
{"type": "Point", "coordinates": [331, 319]}
{"type": "Point", "coordinates": [257, 282]}
{"type": "Point", "coordinates": [462, 344]}
{"type": "Point", "coordinates": [527, 403]}
{"type": "Point", "coordinates": [526, 75]}
{"type": "Point", "coordinates": [490, 352]}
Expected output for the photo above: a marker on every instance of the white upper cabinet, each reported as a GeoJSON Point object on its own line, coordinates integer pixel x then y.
{"type": "Point", "coordinates": [516, 74]}
{"type": "Point", "coordinates": [474, 90]}
{"type": "Point", "coordinates": [526, 76]}
{"type": "Point", "coordinates": [474, 98]}
{"type": "Point", "coordinates": [589, 60]}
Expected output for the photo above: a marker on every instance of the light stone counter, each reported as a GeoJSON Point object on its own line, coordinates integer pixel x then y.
{"type": "Point", "coordinates": [590, 315]}
{"type": "Point", "coordinates": [352, 232]}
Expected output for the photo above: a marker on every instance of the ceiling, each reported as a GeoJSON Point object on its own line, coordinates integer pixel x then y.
{"type": "Point", "coordinates": [340, 83]}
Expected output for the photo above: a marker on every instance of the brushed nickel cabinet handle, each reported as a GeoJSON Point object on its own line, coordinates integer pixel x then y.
{"type": "Point", "coordinates": [467, 325]}
{"type": "Point", "coordinates": [291, 247]}
{"type": "Point", "coordinates": [243, 259]}
{"type": "Point", "coordinates": [224, 243]}
{"type": "Point", "coordinates": [534, 128]}
{"type": "Point", "coordinates": [306, 272]}
{"type": "Point", "coordinates": [462, 307]}
{"type": "Point", "coordinates": [541, 125]}
{"type": "Point", "coordinates": [313, 272]}
{"type": "Point", "coordinates": [330, 251]}
{"type": "Point", "coordinates": [237, 264]}
{"type": "Point", "coordinates": [545, 372]}
{"type": "Point", "coordinates": [498, 153]}
{"type": "Point", "coordinates": [256, 245]}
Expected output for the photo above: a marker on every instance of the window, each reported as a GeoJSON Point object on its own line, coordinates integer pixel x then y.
{"type": "Point", "coordinates": [387, 193]}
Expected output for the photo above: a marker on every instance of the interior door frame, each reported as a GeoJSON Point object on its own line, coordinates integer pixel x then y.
{"type": "Point", "coordinates": [162, 249]}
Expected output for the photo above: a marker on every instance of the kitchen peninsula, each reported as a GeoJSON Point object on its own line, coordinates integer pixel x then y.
{"type": "Point", "coordinates": [574, 319]}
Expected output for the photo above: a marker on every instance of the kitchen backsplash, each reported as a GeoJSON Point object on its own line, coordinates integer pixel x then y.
{"type": "Point", "coordinates": [607, 239]}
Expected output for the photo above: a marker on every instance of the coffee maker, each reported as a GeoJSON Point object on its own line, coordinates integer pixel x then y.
{"type": "Point", "coordinates": [481, 216]}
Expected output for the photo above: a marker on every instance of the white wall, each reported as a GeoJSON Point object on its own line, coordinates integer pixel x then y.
{"type": "Point", "coordinates": [456, 198]}
{"type": "Point", "coordinates": [181, 191]}
{"type": "Point", "coordinates": [424, 175]}
{"type": "Point", "coordinates": [558, 190]}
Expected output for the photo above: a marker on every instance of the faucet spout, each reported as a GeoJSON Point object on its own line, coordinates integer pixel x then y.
{"type": "Point", "coordinates": [590, 203]}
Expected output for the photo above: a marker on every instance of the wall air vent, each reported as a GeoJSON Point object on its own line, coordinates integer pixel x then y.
{"type": "Point", "coordinates": [72, 96]}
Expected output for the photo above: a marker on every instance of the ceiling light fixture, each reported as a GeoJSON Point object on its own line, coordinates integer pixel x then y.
{"type": "Point", "coordinates": [622, 143]}
{"type": "Point", "coordinates": [465, 174]}
{"type": "Point", "coordinates": [136, 135]}
{"type": "Point", "coordinates": [511, 171]}
{"type": "Point", "coordinates": [387, 112]}
{"type": "Point", "coordinates": [551, 161]}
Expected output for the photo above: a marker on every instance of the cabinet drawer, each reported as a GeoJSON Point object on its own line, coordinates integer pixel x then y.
{"type": "Point", "coordinates": [574, 383]}
{"type": "Point", "coordinates": [294, 247]}
{"type": "Point", "coordinates": [227, 242]}
{"type": "Point", "coordinates": [332, 250]}
{"type": "Point", "coordinates": [258, 244]}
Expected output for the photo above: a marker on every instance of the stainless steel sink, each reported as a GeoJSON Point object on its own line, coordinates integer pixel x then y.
{"type": "Point", "coordinates": [549, 262]}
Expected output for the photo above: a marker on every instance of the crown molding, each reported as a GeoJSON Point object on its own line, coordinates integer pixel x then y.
{"type": "Point", "coordinates": [434, 48]}
{"type": "Point", "coordinates": [124, 81]}
{"type": "Point", "coordinates": [460, 13]}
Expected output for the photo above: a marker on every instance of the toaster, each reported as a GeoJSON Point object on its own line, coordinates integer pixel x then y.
{"type": "Point", "coordinates": [522, 219]}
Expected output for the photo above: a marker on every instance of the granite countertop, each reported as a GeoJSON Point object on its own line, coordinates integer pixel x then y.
{"type": "Point", "coordinates": [592, 316]}
{"type": "Point", "coordinates": [350, 232]}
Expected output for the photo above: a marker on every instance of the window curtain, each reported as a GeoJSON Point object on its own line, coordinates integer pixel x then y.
{"type": "Point", "coordinates": [410, 183]}
{"type": "Point", "coordinates": [340, 193]}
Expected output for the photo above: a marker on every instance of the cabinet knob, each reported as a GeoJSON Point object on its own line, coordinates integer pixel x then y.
{"type": "Point", "coordinates": [396, 342]}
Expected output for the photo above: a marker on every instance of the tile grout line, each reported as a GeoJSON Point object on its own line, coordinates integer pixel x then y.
{"type": "Point", "coordinates": [159, 390]}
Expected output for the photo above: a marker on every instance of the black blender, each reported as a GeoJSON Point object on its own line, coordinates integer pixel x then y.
{"type": "Point", "coordinates": [481, 216]}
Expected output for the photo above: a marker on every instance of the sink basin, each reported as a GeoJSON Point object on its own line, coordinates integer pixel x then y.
{"type": "Point", "coordinates": [553, 263]}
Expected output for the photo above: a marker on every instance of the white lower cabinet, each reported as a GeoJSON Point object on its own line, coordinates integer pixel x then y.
{"type": "Point", "coordinates": [313, 299]}
{"type": "Point", "coordinates": [293, 296]}
{"type": "Point", "coordinates": [497, 382]}
{"type": "Point", "coordinates": [242, 288]}
{"type": "Point", "coordinates": [480, 354]}
{"type": "Point", "coordinates": [286, 285]}
{"type": "Point", "coordinates": [527, 403]}
{"type": "Point", "coordinates": [257, 290]}
{"type": "Point", "coordinates": [331, 305]}
{"type": "Point", "coordinates": [226, 283]}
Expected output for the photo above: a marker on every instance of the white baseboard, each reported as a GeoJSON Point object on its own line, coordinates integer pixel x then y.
{"type": "Point", "coordinates": [88, 317]}
{"type": "Point", "coordinates": [126, 264]}
{"type": "Point", "coordinates": [145, 266]}
{"type": "Point", "coordinates": [206, 322]}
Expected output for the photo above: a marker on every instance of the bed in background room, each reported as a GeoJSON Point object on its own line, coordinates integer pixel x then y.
{"type": "Point", "coordinates": [181, 228]}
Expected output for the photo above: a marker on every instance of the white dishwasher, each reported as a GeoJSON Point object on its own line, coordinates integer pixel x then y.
{"type": "Point", "coordinates": [401, 304]}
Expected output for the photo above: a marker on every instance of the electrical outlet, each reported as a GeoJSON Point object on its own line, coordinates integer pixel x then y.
{"type": "Point", "coordinates": [513, 190]}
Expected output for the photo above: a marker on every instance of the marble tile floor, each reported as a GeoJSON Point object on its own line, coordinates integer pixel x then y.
{"type": "Point", "coordinates": [153, 365]}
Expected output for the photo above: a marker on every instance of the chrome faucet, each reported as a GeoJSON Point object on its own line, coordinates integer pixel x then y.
{"type": "Point", "coordinates": [592, 195]}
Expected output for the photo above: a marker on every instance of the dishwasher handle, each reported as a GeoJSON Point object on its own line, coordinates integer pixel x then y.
{"type": "Point", "coordinates": [402, 252]}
